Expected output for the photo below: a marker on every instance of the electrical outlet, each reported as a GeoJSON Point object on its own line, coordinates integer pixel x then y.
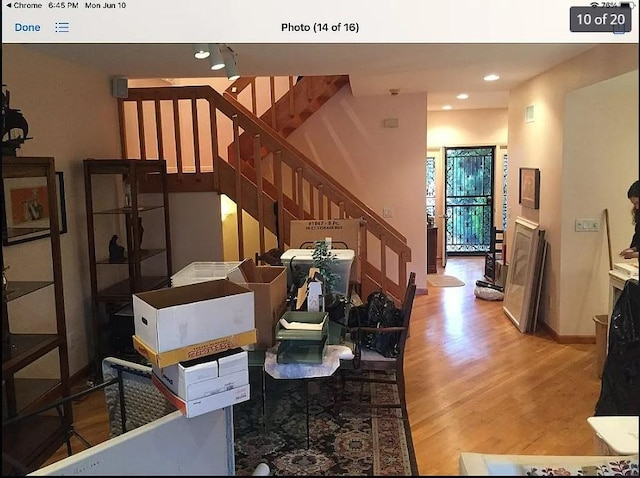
{"type": "Point", "coordinates": [587, 225]}
{"type": "Point", "coordinates": [387, 212]}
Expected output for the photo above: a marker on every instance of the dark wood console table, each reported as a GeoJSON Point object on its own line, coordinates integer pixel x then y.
{"type": "Point", "coordinates": [432, 249]}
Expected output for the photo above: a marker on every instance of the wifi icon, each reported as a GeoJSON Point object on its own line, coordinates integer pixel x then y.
{"type": "Point", "coordinates": [594, 4]}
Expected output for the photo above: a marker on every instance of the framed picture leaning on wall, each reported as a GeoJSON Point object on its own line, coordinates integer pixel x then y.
{"type": "Point", "coordinates": [520, 274]}
{"type": "Point", "coordinates": [529, 187]}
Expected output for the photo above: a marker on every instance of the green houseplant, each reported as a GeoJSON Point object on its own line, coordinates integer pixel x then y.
{"type": "Point", "coordinates": [324, 260]}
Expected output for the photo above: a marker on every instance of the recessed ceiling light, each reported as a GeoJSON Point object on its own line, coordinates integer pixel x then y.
{"type": "Point", "coordinates": [491, 77]}
{"type": "Point", "coordinates": [447, 107]}
{"type": "Point", "coordinates": [462, 96]}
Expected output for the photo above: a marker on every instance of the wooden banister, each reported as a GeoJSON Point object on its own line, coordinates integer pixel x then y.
{"type": "Point", "coordinates": [310, 194]}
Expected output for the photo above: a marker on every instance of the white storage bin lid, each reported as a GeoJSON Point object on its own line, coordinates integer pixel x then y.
{"type": "Point", "coordinates": [203, 271]}
{"type": "Point", "coordinates": [306, 254]}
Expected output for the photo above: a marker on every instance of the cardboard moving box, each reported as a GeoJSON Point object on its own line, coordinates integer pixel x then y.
{"type": "Point", "coordinates": [270, 301]}
{"type": "Point", "coordinates": [347, 231]}
{"type": "Point", "coordinates": [193, 408]}
{"type": "Point", "coordinates": [206, 376]}
{"type": "Point", "coordinates": [170, 319]}
{"type": "Point", "coordinates": [171, 357]}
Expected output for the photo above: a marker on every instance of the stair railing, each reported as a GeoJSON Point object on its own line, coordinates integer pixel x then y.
{"type": "Point", "coordinates": [239, 86]}
{"type": "Point", "coordinates": [285, 176]}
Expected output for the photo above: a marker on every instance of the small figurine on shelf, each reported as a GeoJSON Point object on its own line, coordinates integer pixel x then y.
{"type": "Point", "coordinates": [127, 193]}
{"type": "Point", "coordinates": [140, 233]}
{"type": "Point", "coordinates": [116, 251]}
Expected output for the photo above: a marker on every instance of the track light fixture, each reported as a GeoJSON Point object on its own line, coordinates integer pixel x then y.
{"type": "Point", "coordinates": [220, 56]}
{"type": "Point", "coordinates": [216, 60]}
{"type": "Point", "coordinates": [201, 51]}
{"type": "Point", "coordinates": [230, 64]}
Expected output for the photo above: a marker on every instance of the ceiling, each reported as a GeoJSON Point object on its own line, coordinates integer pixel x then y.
{"type": "Point", "coordinates": [441, 70]}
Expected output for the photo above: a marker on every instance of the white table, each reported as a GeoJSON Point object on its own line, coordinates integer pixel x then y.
{"type": "Point", "coordinates": [302, 371]}
{"type": "Point", "coordinates": [620, 434]}
{"type": "Point", "coordinates": [330, 363]}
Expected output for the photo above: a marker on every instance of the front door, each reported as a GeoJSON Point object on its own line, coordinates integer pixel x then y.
{"type": "Point", "coordinates": [468, 199]}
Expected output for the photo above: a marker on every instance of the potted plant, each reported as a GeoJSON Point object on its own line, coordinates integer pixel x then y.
{"type": "Point", "coordinates": [324, 260]}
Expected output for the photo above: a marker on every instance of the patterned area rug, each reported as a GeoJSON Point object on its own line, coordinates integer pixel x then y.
{"type": "Point", "coordinates": [337, 439]}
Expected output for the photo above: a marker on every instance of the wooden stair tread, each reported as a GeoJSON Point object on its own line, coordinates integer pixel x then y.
{"type": "Point", "coordinates": [286, 122]}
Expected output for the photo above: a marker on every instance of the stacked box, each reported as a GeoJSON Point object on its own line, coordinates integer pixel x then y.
{"type": "Point", "coordinates": [270, 299]}
{"type": "Point", "coordinates": [269, 284]}
{"type": "Point", "coordinates": [190, 322]}
{"type": "Point", "coordinates": [201, 385]}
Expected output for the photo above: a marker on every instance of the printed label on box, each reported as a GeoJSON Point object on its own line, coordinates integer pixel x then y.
{"type": "Point", "coordinates": [170, 357]}
{"type": "Point", "coordinates": [193, 408]}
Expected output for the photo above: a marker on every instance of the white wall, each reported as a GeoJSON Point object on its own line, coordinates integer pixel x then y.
{"type": "Point", "coordinates": [195, 227]}
{"type": "Point", "coordinates": [383, 167]}
{"type": "Point", "coordinates": [467, 127]}
{"type": "Point", "coordinates": [540, 144]}
{"type": "Point", "coordinates": [600, 159]}
{"type": "Point", "coordinates": [71, 116]}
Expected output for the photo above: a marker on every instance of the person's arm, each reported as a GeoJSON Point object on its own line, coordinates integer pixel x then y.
{"type": "Point", "coordinates": [632, 251]}
{"type": "Point", "coordinates": [629, 254]}
{"type": "Point", "coordinates": [635, 240]}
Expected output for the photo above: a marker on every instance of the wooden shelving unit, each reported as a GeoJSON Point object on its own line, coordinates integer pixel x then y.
{"type": "Point", "coordinates": [108, 298]}
{"type": "Point", "coordinates": [27, 443]}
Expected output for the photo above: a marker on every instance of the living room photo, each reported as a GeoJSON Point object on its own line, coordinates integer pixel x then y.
{"type": "Point", "coordinates": [298, 258]}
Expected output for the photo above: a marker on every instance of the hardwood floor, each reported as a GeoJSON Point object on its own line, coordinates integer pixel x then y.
{"type": "Point", "coordinates": [474, 383]}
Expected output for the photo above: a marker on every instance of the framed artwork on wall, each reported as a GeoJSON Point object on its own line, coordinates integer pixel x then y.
{"type": "Point", "coordinates": [520, 274]}
{"type": "Point", "coordinates": [529, 187]}
{"type": "Point", "coordinates": [26, 210]}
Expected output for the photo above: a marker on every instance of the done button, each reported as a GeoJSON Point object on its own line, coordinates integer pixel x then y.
{"type": "Point", "coordinates": [26, 27]}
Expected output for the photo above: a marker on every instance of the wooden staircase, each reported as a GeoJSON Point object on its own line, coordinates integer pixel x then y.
{"type": "Point", "coordinates": [291, 110]}
{"type": "Point", "coordinates": [188, 126]}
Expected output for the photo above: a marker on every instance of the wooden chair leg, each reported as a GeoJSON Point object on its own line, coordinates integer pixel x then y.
{"type": "Point", "coordinates": [401, 393]}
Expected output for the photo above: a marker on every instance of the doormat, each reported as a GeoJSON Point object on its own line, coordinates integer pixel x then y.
{"type": "Point", "coordinates": [442, 280]}
{"type": "Point", "coordinates": [301, 432]}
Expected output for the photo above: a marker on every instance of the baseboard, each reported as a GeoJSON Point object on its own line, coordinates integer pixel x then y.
{"type": "Point", "coordinates": [421, 291]}
{"type": "Point", "coordinates": [568, 339]}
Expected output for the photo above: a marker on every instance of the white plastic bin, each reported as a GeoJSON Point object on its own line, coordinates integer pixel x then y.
{"type": "Point", "coordinates": [304, 259]}
{"type": "Point", "coordinates": [202, 272]}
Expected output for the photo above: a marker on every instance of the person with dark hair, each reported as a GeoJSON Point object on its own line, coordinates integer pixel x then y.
{"type": "Point", "coordinates": [634, 196]}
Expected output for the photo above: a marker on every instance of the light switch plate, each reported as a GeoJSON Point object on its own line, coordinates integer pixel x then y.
{"type": "Point", "coordinates": [587, 225]}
